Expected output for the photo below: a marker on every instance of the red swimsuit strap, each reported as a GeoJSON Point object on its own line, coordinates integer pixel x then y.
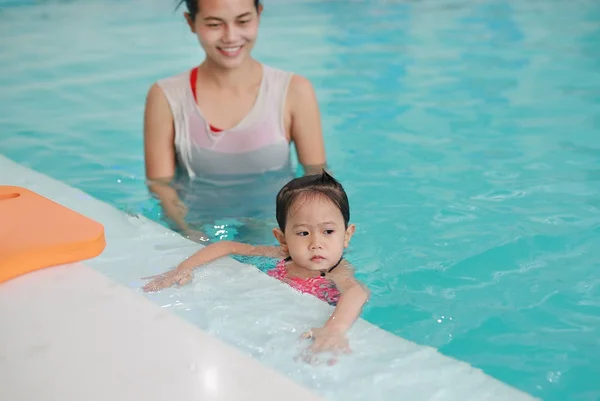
{"type": "Point", "coordinates": [193, 79]}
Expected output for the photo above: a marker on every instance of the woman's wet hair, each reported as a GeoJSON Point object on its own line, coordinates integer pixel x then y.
{"type": "Point", "coordinates": [193, 6]}
{"type": "Point", "coordinates": [311, 186]}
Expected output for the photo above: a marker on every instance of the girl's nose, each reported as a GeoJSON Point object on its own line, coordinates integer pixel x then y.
{"type": "Point", "coordinates": [315, 243]}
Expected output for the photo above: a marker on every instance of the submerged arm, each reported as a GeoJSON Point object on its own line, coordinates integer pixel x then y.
{"type": "Point", "coordinates": [159, 155]}
{"type": "Point", "coordinates": [183, 273]}
{"type": "Point", "coordinates": [169, 200]}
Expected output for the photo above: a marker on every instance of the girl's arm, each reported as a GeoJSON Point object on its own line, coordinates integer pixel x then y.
{"type": "Point", "coordinates": [331, 337]}
{"type": "Point", "coordinates": [182, 274]}
{"type": "Point", "coordinates": [349, 307]}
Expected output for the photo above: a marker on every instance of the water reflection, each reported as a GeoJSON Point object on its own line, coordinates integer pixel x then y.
{"type": "Point", "coordinates": [240, 208]}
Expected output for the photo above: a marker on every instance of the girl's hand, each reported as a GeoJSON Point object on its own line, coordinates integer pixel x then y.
{"type": "Point", "coordinates": [325, 339]}
{"type": "Point", "coordinates": [181, 276]}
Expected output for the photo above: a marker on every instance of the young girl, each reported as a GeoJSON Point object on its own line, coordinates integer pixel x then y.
{"type": "Point", "coordinates": [313, 214]}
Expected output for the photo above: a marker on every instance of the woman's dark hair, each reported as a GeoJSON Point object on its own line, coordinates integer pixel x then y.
{"type": "Point", "coordinates": [311, 185]}
{"type": "Point", "coordinates": [192, 6]}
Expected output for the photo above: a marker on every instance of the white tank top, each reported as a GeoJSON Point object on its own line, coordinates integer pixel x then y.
{"type": "Point", "coordinates": [256, 145]}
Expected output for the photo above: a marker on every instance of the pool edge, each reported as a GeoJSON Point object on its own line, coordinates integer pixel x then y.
{"type": "Point", "coordinates": [37, 177]}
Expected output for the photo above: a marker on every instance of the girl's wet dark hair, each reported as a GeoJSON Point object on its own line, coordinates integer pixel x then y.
{"type": "Point", "coordinates": [192, 6]}
{"type": "Point", "coordinates": [311, 185]}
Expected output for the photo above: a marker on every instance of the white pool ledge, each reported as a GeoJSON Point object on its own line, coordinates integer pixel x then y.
{"type": "Point", "coordinates": [84, 331]}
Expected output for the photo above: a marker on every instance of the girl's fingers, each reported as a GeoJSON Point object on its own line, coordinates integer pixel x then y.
{"type": "Point", "coordinates": [185, 279]}
{"type": "Point", "coordinates": [151, 277]}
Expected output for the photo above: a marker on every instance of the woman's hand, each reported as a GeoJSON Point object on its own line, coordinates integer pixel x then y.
{"type": "Point", "coordinates": [178, 275]}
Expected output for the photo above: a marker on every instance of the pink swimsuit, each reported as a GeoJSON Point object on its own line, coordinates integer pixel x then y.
{"type": "Point", "coordinates": [320, 287]}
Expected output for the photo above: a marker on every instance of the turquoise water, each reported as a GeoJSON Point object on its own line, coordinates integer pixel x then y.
{"type": "Point", "coordinates": [466, 133]}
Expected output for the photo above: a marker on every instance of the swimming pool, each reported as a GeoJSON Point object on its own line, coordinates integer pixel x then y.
{"type": "Point", "coordinates": [466, 133]}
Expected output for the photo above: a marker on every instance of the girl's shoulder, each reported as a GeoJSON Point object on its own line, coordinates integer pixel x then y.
{"type": "Point", "coordinates": [344, 268]}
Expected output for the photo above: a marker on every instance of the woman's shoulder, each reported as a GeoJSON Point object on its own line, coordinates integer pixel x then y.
{"type": "Point", "coordinates": [174, 88]}
{"type": "Point", "coordinates": [178, 79]}
{"type": "Point", "coordinates": [276, 70]}
{"type": "Point", "coordinates": [295, 79]}
{"type": "Point", "coordinates": [298, 87]}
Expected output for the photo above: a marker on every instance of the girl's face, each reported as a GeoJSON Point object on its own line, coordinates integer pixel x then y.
{"type": "Point", "coordinates": [315, 236]}
{"type": "Point", "coordinates": [226, 29]}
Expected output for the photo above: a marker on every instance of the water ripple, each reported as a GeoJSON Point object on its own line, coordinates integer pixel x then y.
{"type": "Point", "coordinates": [466, 135]}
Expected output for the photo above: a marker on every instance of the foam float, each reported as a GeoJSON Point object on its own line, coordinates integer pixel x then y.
{"type": "Point", "coordinates": [36, 233]}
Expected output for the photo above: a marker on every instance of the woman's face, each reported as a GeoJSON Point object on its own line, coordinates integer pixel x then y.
{"type": "Point", "coordinates": [226, 29]}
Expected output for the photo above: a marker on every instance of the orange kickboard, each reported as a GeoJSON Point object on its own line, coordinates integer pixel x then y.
{"type": "Point", "coordinates": [36, 232]}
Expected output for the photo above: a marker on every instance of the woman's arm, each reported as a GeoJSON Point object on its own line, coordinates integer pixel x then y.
{"type": "Point", "coordinates": [159, 155]}
{"type": "Point", "coordinates": [182, 274]}
{"type": "Point", "coordinates": [172, 206]}
{"type": "Point", "coordinates": [305, 127]}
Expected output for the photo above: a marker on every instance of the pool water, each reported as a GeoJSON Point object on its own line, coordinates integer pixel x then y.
{"type": "Point", "coordinates": [467, 134]}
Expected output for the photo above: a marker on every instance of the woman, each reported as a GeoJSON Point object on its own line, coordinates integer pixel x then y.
{"type": "Point", "coordinates": [230, 118]}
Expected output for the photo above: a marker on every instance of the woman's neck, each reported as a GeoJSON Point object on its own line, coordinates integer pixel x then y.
{"type": "Point", "coordinates": [232, 79]}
